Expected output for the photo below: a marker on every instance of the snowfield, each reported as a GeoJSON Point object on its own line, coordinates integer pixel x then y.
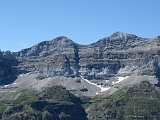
{"type": "Point", "coordinates": [102, 89]}
{"type": "Point", "coordinates": [99, 86]}
{"type": "Point", "coordinates": [121, 79]}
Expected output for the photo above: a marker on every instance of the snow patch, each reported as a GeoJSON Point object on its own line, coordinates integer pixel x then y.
{"type": "Point", "coordinates": [107, 80]}
{"type": "Point", "coordinates": [104, 89]}
{"type": "Point", "coordinates": [6, 86]}
{"type": "Point", "coordinates": [28, 73]}
{"type": "Point", "coordinates": [113, 82]}
{"type": "Point", "coordinates": [21, 75]}
{"type": "Point", "coordinates": [99, 86]}
{"type": "Point", "coordinates": [121, 79]}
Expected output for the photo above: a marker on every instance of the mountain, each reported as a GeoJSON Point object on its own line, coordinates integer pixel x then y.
{"type": "Point", "coordinates": [117, 46]}
{"type": "Point", "coordinates": [105, 63]}
{"type": "Point", "coordinates": [63, 57]}
{"type": "Point", "coordinates": [115, 78]}
{"type": "Point", "coordinates": [119, 41]}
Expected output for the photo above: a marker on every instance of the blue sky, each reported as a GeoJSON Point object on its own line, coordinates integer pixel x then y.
{"type": "Point", "coordinates": [24, 23]}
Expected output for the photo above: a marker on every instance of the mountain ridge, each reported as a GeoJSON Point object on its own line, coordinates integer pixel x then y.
{"type": "Point", "coordinates": [120, 54]}
{"type": "Point", "coordinates": [61, 37]}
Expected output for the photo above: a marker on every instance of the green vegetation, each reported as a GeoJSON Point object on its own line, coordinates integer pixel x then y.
{"type": "Point", "coordinates": [54, 103]}
{"type": "Point", "coordinates": [140, 102]}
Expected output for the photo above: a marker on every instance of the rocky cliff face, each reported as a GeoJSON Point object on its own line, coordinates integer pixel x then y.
{"type": "Point", "coordinates": [8, 67]}
{"type": "Point", "coordinates": [119, 54]}
{"type": "Point", "coordinates": [58, 57]}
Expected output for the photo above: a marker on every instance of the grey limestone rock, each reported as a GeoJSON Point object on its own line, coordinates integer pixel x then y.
{"type": "Point", "coordinates": [120, 53]}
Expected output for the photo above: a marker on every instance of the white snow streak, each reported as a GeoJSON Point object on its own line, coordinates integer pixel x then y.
{"type": "Point", "coordinates": [6, 86]}
{"type": "Point", "coordinates": [121, 79]}
{"type": "Point", "coordinates": [99, 86]}
{"type": "Point", "coordinates": [21, 75]}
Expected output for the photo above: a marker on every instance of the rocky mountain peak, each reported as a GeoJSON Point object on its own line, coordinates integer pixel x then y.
{"type": "Point", "coordinates": [62, 41]}
{"type": "Point", "coordinates": [47, 47]}
{"type": "Point", "coordinates": [120, 41]}
{"type": "Point", "coordinates": [121, 35]}
{"type": "Point", "coordinates": [60, 38]}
